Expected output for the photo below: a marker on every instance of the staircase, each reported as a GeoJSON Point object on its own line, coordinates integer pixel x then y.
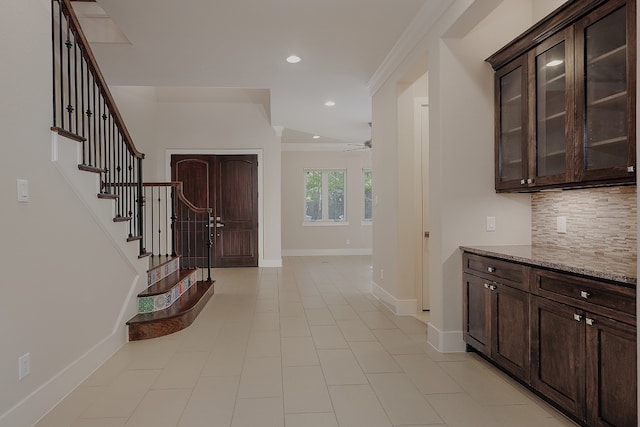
{"type": "Point", "coordinates": [157, 216]}
{"type": "Point", "coordinates": [172, 300]}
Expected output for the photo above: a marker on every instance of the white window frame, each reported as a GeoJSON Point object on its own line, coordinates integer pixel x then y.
{"type": "Point", "coordinates": [324, 197]}
{"type": "Point", "coordinates": [366, 221]}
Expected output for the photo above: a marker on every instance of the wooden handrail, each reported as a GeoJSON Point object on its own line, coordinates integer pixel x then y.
{"type": "Point", "coordinates": [74, 25]}
{"type": "Point", "coordinates": [178, 185]}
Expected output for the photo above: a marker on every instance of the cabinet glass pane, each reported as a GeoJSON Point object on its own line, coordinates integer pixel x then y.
{"type": "Point", "coordinates": [606, 92]}
{"type": "Point", "coordinates": [551, 84]}
{"type": "Point", "coordinates": [511, 126]}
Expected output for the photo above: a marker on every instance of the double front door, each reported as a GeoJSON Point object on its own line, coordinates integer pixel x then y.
{"type": "Point", "coordinates": [228, 184]}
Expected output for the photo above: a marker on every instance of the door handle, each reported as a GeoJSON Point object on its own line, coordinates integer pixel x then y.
{"type": "Point", "coordinates": [219, 225]}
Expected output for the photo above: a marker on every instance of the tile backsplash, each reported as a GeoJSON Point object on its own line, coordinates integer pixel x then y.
{"type": "Point", "coordinates": [599, 220]}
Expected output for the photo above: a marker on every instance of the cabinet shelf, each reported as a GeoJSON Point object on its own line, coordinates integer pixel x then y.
{"type": "Point", "coordinates": [616, 97]}
{"type": "Point", "coordinates": [621, 50]}
{"type": "Point", "coordinates": [610, 141]}
{"type": "Point", "coordinates": [555, 79]}
{"type": "Point", "coordinates": [512, 130]}
{"type": "Point", "coordinates": [555, 116]}
{"type": "Point", "coordinates": [513, 99]}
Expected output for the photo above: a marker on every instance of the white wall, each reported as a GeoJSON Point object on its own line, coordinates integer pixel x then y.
{"type": "Point", "coordinates": [461, 157]}
{"type": "Point", "coordinates": [299, 239]}
{"type": "Point", "coordinates": [64, 283]}
{"type": "Point", "coordinates": [180, 124]}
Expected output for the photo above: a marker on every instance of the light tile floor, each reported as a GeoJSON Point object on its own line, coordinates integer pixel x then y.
{"type": "Point", "coordinates": [305, 345]}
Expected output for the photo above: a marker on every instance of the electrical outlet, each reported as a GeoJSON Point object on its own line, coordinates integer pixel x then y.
{"type": "Point", "coordinates": [381, 274]}
{"type": "Point", "coordinates": [561, 224]}
{"type": "Point", "coordinates": [24, 366]}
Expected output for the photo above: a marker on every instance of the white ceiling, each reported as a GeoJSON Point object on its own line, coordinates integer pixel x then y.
{"type": "Point", "coordinates": [244, 43]}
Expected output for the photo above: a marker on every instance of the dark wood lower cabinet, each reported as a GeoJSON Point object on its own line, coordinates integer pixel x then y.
{"type": "Point", "coordinates": [558, 360]}
{"type": "Point", "coordinates": [571, 339]}
{"type": "Point", "coordinates": [496, 319]}
{"type": "Point", "coordinates": [510, 330]}
{"type": "Point", "coordinates": [611, 373]}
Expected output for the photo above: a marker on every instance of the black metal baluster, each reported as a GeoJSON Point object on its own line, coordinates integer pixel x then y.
{"type": "Point", "coordinates": [141, 203]}
{"type": "Point", "coordinates": [105, 144]}
{"type": "Point", "coordinates": [68, 45]}
{"type": "Point", "coordinates": [209, 245]}
{"type": "Point", "coordinates": [129, 193]}
{"type": "Point", "coordinates": [120, 173]}
{"type": "Point", "coordinates": [151, 233]}
{"type": "Point", "coordinates": [61, 68]}
{"type": "Point", "coordinates": [89, 114]}
{"type": "Point", "coordinates": [75, 85]}
{"type": "Point", "coordinates": [159, 221]}
{"type": "Point", "coordinates": [166, 221]}
{"type": "Point", "coordinates": [53, 56]}
{"type": "Point", "coordinates": [82, 87]}
{"type": "Point", "coordinates": [93, 99]}
{"type": "Point", "coordinates": [189, 238]}
{"type": "Point", "coordinates": [174, 230]}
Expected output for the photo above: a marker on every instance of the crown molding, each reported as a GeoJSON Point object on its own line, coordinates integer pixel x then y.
{"type": "Point", "coordinates": [412, 35]}
{"type": "Point", "coordinates": [319, 146]}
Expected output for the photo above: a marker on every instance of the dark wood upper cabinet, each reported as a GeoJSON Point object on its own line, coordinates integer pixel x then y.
{"type": "Point", "coordinates": [565, 100]}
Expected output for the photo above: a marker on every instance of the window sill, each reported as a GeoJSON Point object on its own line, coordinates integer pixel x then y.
{"type": "Point", "coordinates": [324, 223]}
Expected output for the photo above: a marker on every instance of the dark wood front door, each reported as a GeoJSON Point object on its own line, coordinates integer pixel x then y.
{"type": "Point", "coordinates": [229, 184]}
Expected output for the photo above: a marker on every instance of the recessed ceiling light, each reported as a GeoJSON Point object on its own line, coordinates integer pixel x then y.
{"type": "Point", "coordinates": [329, 103]}
{"type": "Point", "coordinates": [554, 63]}
{"type": "Point", "coordinates": [316, 137]}
{"type": "Point", "coordinates": [293, 59]}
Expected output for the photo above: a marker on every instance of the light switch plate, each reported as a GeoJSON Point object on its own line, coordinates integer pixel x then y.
{"type": "Point", "coordinates": [23, 190]}
{"type": "Point", "coordinates": [491, 223]}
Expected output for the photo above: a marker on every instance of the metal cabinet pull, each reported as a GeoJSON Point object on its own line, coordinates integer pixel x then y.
{"type": "Point", "coordinates": [585, 294]}
{"type": "Point", "coordinates": [530, 181]}
{"type": "Point", "coordinates": [577, 317]}
{"type": "Point", "coordinates": [589, 321]}
{"type": "Point", "coordinates": [631, 169]}
{"type": "Point", "coordinates": [491, 269]}
{"type": "Point", "coordinates": [493, 288]}
{"type": "Point", "coordinates": [523, 182]}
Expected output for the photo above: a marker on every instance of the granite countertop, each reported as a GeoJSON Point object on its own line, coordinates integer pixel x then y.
{"type": "Point", "coordinates": [619, 268]}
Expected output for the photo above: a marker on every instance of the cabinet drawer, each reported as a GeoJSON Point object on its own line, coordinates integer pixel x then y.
{"type": "Point", "coordinates": [497, 270]}
{"type": "Point", "coordinates": [612, 300]}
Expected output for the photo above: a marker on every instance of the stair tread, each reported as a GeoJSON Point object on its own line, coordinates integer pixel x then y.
{"type": "Point", "coordinates": [182, 306]}
{"type": "Point", "coordinates": [160, 260]}
{"type": "Point", "coordinates": [167, 283]}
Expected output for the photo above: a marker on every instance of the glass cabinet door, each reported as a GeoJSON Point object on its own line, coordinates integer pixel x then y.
{"type": "Point", "coordinates": [511, 97]}
{"type": "Point", "coordinates": [607, 144]}
{"type": "Point", "coordinates": [553, 125]}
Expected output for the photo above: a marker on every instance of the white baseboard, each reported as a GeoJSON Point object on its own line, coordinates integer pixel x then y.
{"type": "Point", "coordinates": [326, 252]}
{"type": "Point", "coordinates": [400, 307]}
{"type": "Point", "coordinates": [270, 262]}
{"type": "Point", "coordinates": [36, 405]}
{"type": "Point", "coordinates": [445, 342]}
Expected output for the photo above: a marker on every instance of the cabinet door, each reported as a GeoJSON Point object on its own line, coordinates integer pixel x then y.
{"type": "Point", "coordinates": [510, 330]}
{"type": "Point", "coordinates": [605, 56]}
{"type": "Point", "coordinates": [554, 104]}
{"type": "Point", "coordinates": [611, 373]}
{"type": "Point", "coordinates": [476, 313]}
{"type": "Point", "coordinates": [511, 156]}
{"type": "Point", "coordinates": [557, 354]}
